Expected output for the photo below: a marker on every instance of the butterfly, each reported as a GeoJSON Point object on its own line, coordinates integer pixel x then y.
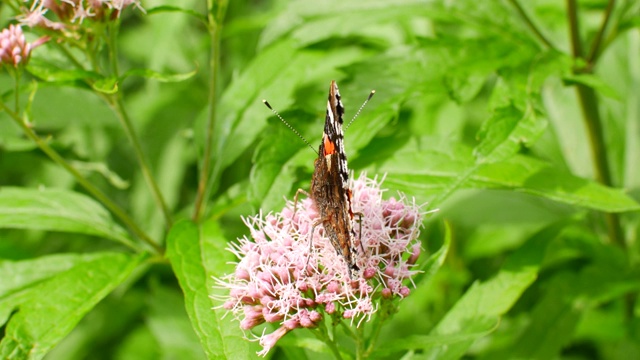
{"type": "Point", "coordinates": [330, 190]}
{"type": "Point", "coordinates": [330, 183]}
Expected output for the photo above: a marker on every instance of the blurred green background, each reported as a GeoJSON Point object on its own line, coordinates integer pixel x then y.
{"type": "Point", "coordinates": [482, 109]}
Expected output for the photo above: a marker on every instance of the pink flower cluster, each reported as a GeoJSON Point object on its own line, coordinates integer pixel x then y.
{"type": "Point", "coordinates": [14, 49]}
{"type": "Point", "coordinates": [280, 278]}
{"type": "Point", "coordinates": [73, 11]}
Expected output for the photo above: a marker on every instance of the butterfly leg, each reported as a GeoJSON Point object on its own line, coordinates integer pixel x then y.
{"type": "Point", "coordinates": [360, 215]}
{"type": "Point", "coordinates": [295, 200]}
{"type": "Point", "coordinates": [313, 228]}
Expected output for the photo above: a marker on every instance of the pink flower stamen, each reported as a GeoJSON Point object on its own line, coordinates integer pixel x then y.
{"type": "Point", "coordinates": [277, 280]}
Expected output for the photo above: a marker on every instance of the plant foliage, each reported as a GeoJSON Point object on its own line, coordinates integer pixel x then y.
{"type": "Point", "coordinates": [132, 144]}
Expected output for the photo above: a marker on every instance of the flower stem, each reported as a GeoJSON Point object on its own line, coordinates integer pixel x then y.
{"type": "Point", "coordinates": [387, 308]}
{"type": "Point", "coordinates": [53, 155]}
{"type": "Point", "coordinates": [360, 343]}
{"type": "Point", "coordinates": [375, 332]}
{"type": "Point", "coordinates": [216, 10]}
{"type": "Point", "coordinates": [574, 31]}
{"type": "Point", "coordinates": [112, 35]}
{"type": "Point", "coordinates": [348, 330]}
{"type": "Point", "coordinates": [531, 25]}
{"type": "Point", "coordinates": [116, 103]}
{"type": "Point", "coordinates": [322, 334]}
{"type": "Point", "coordinates": [591, 116]}
{"type": "Point", "coordinates": [17, 92]}
{"type": "Point", "coordinates": [118, 106]}
{"type": "Point", "coordinates": [589, 104]}
{"type": "Point", "coordinates": [65, 51]}
{"type": "Point", "coordinates": [597, 41]}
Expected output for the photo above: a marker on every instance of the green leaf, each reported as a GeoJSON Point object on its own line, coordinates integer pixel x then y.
{"type": "Point", "coordinates": [485, 302]}
{"type": "Point", "coordinates": [170, 325]}
{"type": "Point", "coordinates": [196, 255]}
{"type": "Point", "coordinates": [415, 303]}
{"type": "Point", "coordinates": [566, 295]}
{"type": "Point", "coordinates": [138, 344]}
{"type": "Point", "coordinates": [274, 169]}
{"type": "Point", "coordinates": [54, 307]}
{"type": "Point", "coordinates": [426, 342]}
{"type": "Point", "coordinates": [463, 87]}
{"type": "Point", "coordinates": [278, 164]}
{"type": "Point", "coordinates": [18, 275]}
{"type": "Point", "coordinates": [312, 24]}
{"type": "Point", "coordinates": [539, 178]}
{"type": "Point", "coordinates": [308, 343]}
{"type": "Point", "coordinates": [506, 132]}
{"type": "Point", "coordinates": [350, 19]}
{"type": "Point", "coordinates": [115, 317]}
{"type": "Point", "coordinates": [168, 8]}
{"type": "Point", "coordinates": [103, 169]}
{"type": "Point", "coordinates": [592, 81]}
{"type": "Point", "coordinates": [241, 115]}
{"type": "Point", "coordinates": [437, 167]}
{"type": "Point", "coordinates": [58, 210]}
{"type": "Point", "coordinates": [10, 301]}
{"type": "Point", "coordinates": [106, 85]}
{"type": "Point", "coordinates": [150, 74]}
{"type": "Point", "coordinates": [86, 111]}
{"type": "Point", "coordinates": [553, 321]}
{"type": "Point", "coordinates": [100, 83]}
{"type": "Point", "coordinates": [435, 261]}
{"type": "Point", "coordinates": [48, 73]}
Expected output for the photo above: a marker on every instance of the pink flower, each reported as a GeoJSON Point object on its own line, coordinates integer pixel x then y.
{"type": "Point", "coordinates": [81, 13]}
{"type": "Point", "coordinates": [279, 280]}
{"type": "Point", "coordinates": [14, 49]}
{"type": "Point", "coordinates": [268, 341]}
{"type": "Point", "coordinates": [73, 11]}
{"type": "Point", "coordinates": [34, 16]}
{"type": "Point", "coordinates": [121, 4]}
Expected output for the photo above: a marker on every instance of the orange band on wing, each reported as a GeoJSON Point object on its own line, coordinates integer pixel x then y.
{"type": "Point", "coordinates": [329, 146]}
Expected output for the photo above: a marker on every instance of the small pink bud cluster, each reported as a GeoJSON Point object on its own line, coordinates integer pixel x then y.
{"type": "Point", "coordinates": [14, 49]}
{"type": "Point", "coordinates": [281, 278]}
{"type": "Point", "coordinates": [73, 11]}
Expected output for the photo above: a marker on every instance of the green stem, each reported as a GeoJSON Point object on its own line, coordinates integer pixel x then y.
{"type": "Point", "coordinates": [216, 10]}
{"type": "Point", "coordinates": [53, 155]}
{"type": "Point", "coordinates": [591, 114]}
{"type": "Point", "coordinates": [531, 25]}
{"type": "Point", "coordinates": [375, 332]}
{"type": "Point", "coordinates": [360, 343]}
{"type": "Point", "coordinates": [68, 54]}
{"type": "Point", "coordinates": [574, 29]}
{"type": "Point", "coordinates": [113, 53]}
{"type": "Point", "coordinates": [322, 334]}
{"type": "Point", "coordinates": [118, 106]}
{"type": "Point", "coordinates": [17, 92]}
{"type": "Point", "coordinates": [590, 111]}
{"type": "Point", "coordinates": [14, 8]}
{"type": "Point", "coordinates": [347, 329]}
{"type": "Point", "coordinates": [358, 338]}
{"type": "Point", "coordinates": [614, 25]}
{"type": "Point", "coordinates": [386, 309]}
{"type": "Point", "coordinates": [597, 41]}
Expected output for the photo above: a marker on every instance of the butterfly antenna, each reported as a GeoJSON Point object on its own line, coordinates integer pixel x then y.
{"type": "Point", "coordinates": [288, 125]}
{"type": "Point", "coordinates": [373, 92]}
